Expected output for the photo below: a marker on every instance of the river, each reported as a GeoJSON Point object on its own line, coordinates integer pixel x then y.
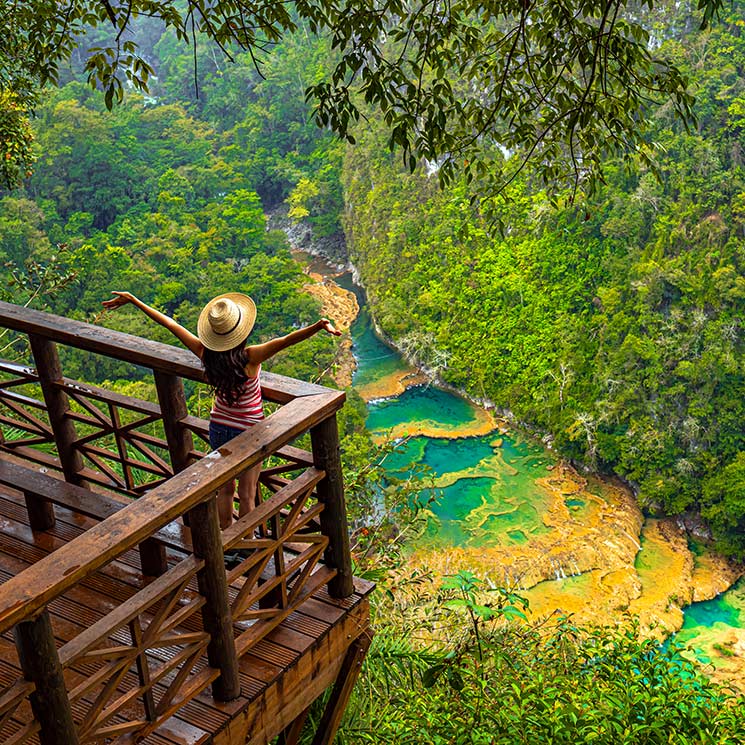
{"type": "Point", "coordinates": [510, 511]}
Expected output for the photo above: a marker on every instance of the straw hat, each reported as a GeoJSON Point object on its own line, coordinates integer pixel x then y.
{"type": "Point", "coordinates": [226, 321]}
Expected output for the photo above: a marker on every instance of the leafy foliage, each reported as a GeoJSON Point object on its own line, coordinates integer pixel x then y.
{"type": "Point", "coordinates": [16, 156]}
{"type": "Point", "coordinates": [560, 85]}
{"type": "Point", "coordinates": [388, 513]}
{"type": "Point", "coordinates": [563, 84]}
{"type": "Point", "coordinates": [456, 663]}
{"type": "Point", "coordinates": [136, 200]}
{"type": "Point", "coordinates": [165, 194]}
{"type": "Point", "coordinates": [615, 326]}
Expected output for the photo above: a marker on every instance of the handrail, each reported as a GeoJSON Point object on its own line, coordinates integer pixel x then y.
{"type": "Point", "coordinates": [30, 591]}
{"type": "Point", "coordinates": [164, 358]}
{"type": "Point", "coordinates": [97, 437]}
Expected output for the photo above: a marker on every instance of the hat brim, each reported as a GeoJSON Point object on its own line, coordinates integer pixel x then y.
{"type": "Point", "coordinates": [223, 342]}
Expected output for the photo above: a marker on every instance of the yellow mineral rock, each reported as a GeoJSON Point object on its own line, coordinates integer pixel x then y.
{"type": "Point", "coordinates": [342, 308]}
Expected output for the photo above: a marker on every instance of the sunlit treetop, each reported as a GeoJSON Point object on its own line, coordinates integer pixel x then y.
{"type": "Point", "coordinates": [479, 87]}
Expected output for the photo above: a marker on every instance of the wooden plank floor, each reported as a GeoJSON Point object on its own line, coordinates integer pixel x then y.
{"type": "Point", "coordinates": [280, 675]}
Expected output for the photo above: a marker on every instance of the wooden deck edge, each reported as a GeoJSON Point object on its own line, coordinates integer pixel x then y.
{"type": "Point", "coordinates": [282, 701]}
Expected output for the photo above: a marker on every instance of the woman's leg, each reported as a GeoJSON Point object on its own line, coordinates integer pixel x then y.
{"type": "Point", "coordinates": [248, 483]}
{"type": "Point", "coordinates": [225, 498]}
{"type": "Point", "coordinates": [220, 434]}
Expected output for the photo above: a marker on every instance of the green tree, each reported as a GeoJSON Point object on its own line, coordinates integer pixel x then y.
{"type": "Point", "coordinates": [22, 230]}
{"type": "Point", "coordinates": [239, 223]}
{"type": "Point", "coordinates": [616, 327]}
{"type": "Point", "coordinates": [724, 503]}
{"type": "Point", "coordinates": [16, 155]}
{"type": "Point", "coordinates": [562, 85]}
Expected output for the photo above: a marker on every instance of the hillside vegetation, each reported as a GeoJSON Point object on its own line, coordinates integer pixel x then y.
{"type": "Point", "coordinates": [166, 197]}
{"type": "Point", "coordinates": [615, 323]}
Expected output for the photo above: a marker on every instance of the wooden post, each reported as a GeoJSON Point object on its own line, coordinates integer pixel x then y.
{"type": "Point", "coordinates": [143, 670]}
{"type": "Point", "coordinates": [153, 559]}
{"type": "Point", "coordinates": [173, 409]}
{"type": "Point", "coordinates": [40, 511]}
{"type": "Point", "coordinates": [348, 674]}
{"type": "Point", "coordinates": [276, 598]}
{"type": "Point", "coordinates": [291, 735]}
{"type": "Point", "coordinates": [40, 663]}
{"type": "Point", "coordinates": [325, 441]}
{"type": "Point", "coordinates": [213, 585]}
{"type": "Point", "coordinates": [50, 372]}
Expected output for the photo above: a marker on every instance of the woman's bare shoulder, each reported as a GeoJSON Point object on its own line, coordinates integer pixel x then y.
{"type": "Point", "coordinates": [253, 365]}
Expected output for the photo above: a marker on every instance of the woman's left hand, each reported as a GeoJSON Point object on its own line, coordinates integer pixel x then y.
{"type": "Point", "coordinates": [326, 325]}
{"type": "Point", "coordinates": [119, 299]}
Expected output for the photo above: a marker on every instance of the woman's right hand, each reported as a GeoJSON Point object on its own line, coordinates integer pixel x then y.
{"type": "Point", "coordinates": [122, 298]}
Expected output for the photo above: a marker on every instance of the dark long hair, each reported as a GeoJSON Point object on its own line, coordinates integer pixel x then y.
{"type": "Point", "coordinates": [225, 371]}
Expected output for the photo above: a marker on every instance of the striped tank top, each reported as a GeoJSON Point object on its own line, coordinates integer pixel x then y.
{"type": "Point", "coordinates": [245, 412]}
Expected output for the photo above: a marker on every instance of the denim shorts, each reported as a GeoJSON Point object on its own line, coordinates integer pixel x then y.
{"type": "Point", "coordinates": [221, 433]}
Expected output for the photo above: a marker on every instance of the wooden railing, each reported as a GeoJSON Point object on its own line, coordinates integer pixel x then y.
{"type": "Point", "coordinates": [127, 672]}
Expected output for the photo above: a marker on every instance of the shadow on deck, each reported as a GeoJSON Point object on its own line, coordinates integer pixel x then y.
{"type": "Point", "coordinates": [120, 624]}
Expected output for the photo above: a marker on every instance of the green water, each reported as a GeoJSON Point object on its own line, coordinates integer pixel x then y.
{"type": "Point", "coordinates": [441, 454]}
{"type": "Point", "coordinates": [489, 495]}
{"type": "Point", "coordinates": [434, 408]}
{"type": "Point", "coordinates": [647, 560]}
{"type": "Point", "coordinates": [375, 360]}
{"type": "Point", "coordinates": [708, 625]}
{"type": "Point", "coordinates": [486, 494]}
{"type": "Point", "coordinates": [718, 610]}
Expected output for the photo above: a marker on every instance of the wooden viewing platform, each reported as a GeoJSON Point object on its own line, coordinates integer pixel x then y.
{"type": "Point", "coordinates": [119, 623]}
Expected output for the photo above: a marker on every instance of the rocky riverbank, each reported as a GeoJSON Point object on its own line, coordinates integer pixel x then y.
{"type": "Point", "coordinates": [599, 561]}
{"type": "Point", "coordinates": [341, 307]}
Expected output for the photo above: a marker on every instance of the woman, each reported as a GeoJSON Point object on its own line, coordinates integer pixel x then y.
{"type": "Point", "coordinates": [232, 369]}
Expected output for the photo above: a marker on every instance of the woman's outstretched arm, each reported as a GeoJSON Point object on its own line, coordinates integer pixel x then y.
{"type": "Point", "coordinates": [258, 353]}
{"type": "Point", "coordinates": [189, 340]}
